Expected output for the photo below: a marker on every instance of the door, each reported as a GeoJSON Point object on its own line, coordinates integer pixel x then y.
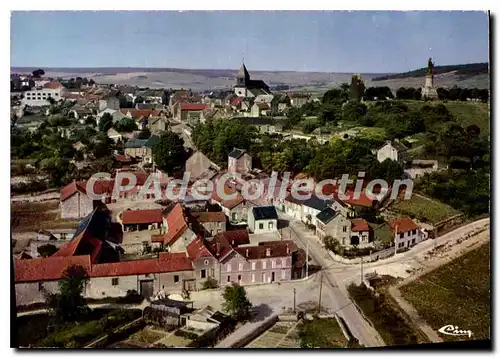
{"type": "Point", "coordinates": [239, 279]}
{"type": "Point", "coordinates": [147, 288]}
{"type": "Point", "coordinates": [272, 276]}
{"type": "Point", "coordinates": [190, 285]}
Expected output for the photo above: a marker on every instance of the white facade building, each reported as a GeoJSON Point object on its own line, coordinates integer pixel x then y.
{"type": "Point", "coordinates": [39, 96]}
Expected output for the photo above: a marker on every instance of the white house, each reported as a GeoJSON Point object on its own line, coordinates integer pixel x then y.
{"type": "Point", "coordinates": [407, 233]}
{"type": "Point", "coordinates": [394, 151]}
{"type": "Point", "coordinates": [263, 219]}
{"type": "Point", "coordinates": [39, 96]}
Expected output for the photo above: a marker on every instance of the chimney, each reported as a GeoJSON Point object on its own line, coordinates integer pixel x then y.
{"type": "Point", "coordinates": [246, 253]}
{"type": "Point", "coordinates": [218, 247]}
{"type": "Point", "coordinates": [287, 250]}
{"type": "Point", "coordinates": [232, 243]}
{"type": "Point", "coordinates": [268, 252]}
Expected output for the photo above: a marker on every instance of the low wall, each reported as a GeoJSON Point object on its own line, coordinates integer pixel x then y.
{"type": "Point", "coordinates": [50, 194]}
{"type": "Point", "coordinates": [246, 338]}
{"type": "Point", "coordinates": [451, 222]}
{"type": "Point", "coordinates": [379, 255]}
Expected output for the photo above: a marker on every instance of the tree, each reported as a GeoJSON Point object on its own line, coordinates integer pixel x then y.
{"type": "Point", "coordinates": [236, 303]}
{"type": "Point", "coordinates": [169, 153]}
{"type": "Point", "coordinates": [70, 305]}
{"type": "Point", "coordinates": [210, 283]}
{"type": "Point", "coordinates": [145, 133]}
{"type": "Point", "coordinates": [388, 170]}
{"type": "Point", "coordinates": [126, 124]}
{"type": "Point", "coordinates": [38, 73]}
{"type": "Point", "coordinates": [331, 243]}
{"type": "Point", "coordinates": [106, 122]}
{"type": "Point", "coordinates": [47, 250]}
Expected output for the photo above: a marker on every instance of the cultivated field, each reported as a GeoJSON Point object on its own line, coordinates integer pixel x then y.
{"type": "Point", "coordinates": [277, 337]}
{"type": "Point", "coordinates": [28, 217]}
{"type": "Point", "coordinates": [321, 333]}
{"type": "Point", "coordinates": [457, 294]}
{"type": "Point", "coordinates": [424, 209]}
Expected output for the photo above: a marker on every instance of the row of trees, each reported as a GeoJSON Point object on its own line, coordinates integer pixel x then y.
{"type": "Point", "coordinates": [450, 94]}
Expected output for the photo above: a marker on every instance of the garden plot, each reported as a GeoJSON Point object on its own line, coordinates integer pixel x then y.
{"type": "Point", "coordinates": [276, 337]}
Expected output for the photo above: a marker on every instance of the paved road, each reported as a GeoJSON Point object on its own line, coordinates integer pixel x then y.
{"type": "Point", "coordinates": [338, 275]}
{"type": "Point", "coordinates": [341, 303]}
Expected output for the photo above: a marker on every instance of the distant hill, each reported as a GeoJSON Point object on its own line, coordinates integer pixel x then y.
{"type": "Point", "coordinates": [464, 71]}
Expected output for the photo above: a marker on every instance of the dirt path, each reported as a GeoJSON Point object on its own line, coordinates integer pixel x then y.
{"type": "Point", "coordinates": [431, 261]}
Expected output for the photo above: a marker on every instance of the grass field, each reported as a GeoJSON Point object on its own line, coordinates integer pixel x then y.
{"type": "Point", "coordinates": [466, 113]}
{"type": "Point", "coordinates": [382, 232]}
{"type": "Point", "coordinates": [424, 209]}
{"type": "Point", "coordinates": [321, 333]}
{"type": "Point", "coordinates": [457, 293]}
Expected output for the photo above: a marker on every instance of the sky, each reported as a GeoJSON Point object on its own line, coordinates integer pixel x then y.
{"type": "Point", "coordinates": [323, 41]}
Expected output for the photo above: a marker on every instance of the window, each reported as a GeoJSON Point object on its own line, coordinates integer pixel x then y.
{"type": "Point", "coordinates": [206, 262]}
{"type": "Point", "coordinates": [408, 233]}
{"type": "Point", "coordinates": [253, 277]}
{"type": "Point", "coordinates": [414, 231]}
{"type": "Point", "coordinates": [212, 272]}
{"type": "Point", "coordinates": [203, 273]}
{"type": "Point", "coordinates": [240, 266]}
{"type": "Point", "coordinates": [253, 265]}
{"type": "Point", "coordinates": [401, 244]}
{"type": "Point", "coordinates": [114, 281]}
{"type": "Point", "coordinates": [233, 216]}
{"type": "Point", "coordinates": [176, 278]}
{"type": "Point", "coordinates": [365, 238]}
{"type": "Point", "coordinates": [228, 278]}
{"type": "Point", "coordinates": [264, 265]}
{"type": "Point", "coordinates": [271, 225]}
{"type": "Point", "coordinates": [283, 274]}
{"type": "Point", "coordinates": [273, 264]}
{"type": "Point", "coordinates": [228, 267]}
{"type": "Point", "coordinates": [57, 94]}
{"type": "Point", "coordinates": [401, 235]}
{"type": "Point", "coordinates": [412, 241]}
{"type": "Point", "coordinates": [344, 229]}
{"type": "Point", "coordinates": [261, 226]}
{"type": "Point", "coordinates": [40, 286]}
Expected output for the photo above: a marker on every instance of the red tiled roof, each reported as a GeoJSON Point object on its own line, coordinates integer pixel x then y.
{"type": "Point", "coordinates": [123, 158]}
{"type": "Point", "coordinates": [70, 95]}
{"type": "Point", "coordinates": [137, 113]}
{"type": "Point", "coordinates": [46, 269]}
{"type": "Point", "coordinates": [276, 249]}
{"type": "Point", "coordinates": [236, 237]}
{"type": "Point", "coordinates": [197, 249]}
{"type": "Point", "coordinates": [167, 262]}
{"type": "Point", "coordinates": [359, 224]}
{"type": "Point", "coordinates": [209, 216]}
{"type": "Point", "coordinates": [142, 216]}
{"type": "Point", "coordinates": [194, 106]}
{"type": "Point", "coordinates": [219, 246]}
{"type": "Point", "coordinates": [227, 203]}
{"type": "Point", "coordinates": [53, 85]}
{"type": "Point", "coordinates": [403, 225]}
{"type": "Point", "coordinates": [71, 189]}
{"type": "Point", "coordinates": [362, 201]}
{"type": "Point", "coordinates": [237, 101]}
{"type": "Point", "coordinates": [176, 225]}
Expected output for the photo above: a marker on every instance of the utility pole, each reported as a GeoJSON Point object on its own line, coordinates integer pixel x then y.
{"type": "Point", "coordinates": [294, 300]}
{"type": "Point", "coordinates": [396, 240]}
{"type": "Point", "coordinates": [307, 259]}
{"type": "Point", "coordinates": [320, 289]}
{"type": "Point", "coordinates": [361, 270]}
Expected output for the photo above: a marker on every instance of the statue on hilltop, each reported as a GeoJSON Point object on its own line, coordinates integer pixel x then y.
{"type": "Point", "coordinates": [430, 66]}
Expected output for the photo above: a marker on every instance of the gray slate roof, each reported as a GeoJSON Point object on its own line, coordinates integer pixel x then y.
{"type": "Point", "coordinates": [326, 215]}
{"type": "Point", "coordinates": [236, 153]}
{"type": "Point", "coordinates": [264, 212]}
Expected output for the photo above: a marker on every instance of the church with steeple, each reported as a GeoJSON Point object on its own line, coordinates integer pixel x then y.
{"type": "Point", "coordinates": [246, 87]}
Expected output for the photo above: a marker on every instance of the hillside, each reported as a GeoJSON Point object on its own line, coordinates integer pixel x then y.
{"type": "Point", "coordinates": [464, 71]}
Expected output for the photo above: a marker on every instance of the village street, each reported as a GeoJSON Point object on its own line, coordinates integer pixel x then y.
{"type": "Point", "coordinates": [337, 276]}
